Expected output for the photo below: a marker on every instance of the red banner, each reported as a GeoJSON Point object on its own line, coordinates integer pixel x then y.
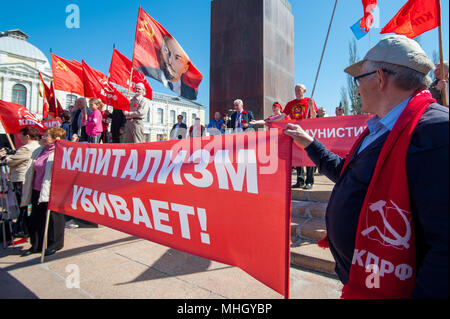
{"type": "Point", "coordinates": [96, 85]}
{"type": "Point", "coordinates": [225, 198]}
{"type": "Point", "coordinates": [119, 73]}
{"type": "Point", "coordinates": [337, 134]}
{"type": "Point", "coordinates": [157, 54]}
{"type": "Point", "coordinates": [49, 100]}
{"type": "Point", "coordinates": [14, 117]}
{"type": "Point", "coordinates": [415, 18]}
{"type": "Point", "coordinates": [67, 75]}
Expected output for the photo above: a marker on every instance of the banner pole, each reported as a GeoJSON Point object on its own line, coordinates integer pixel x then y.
{"type": "Point", "coordinates": [44, 244]}
{"type": "Point", "coordinates": [441, 57]}
{"type": "Point", "coordinates": [321, 58]}
{"type": "Point", "coordinates": [7, 135]}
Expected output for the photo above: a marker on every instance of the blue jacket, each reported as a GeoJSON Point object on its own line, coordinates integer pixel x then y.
{"type": "Point", "coordinates": [427, 167]}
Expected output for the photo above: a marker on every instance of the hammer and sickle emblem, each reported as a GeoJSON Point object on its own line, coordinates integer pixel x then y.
{"type": "Point", "coordinates": [398, 240]}
{"type": "Point", "coordinates": [60, 65]}
{"type": "Point", "coordinates": [146, 28]}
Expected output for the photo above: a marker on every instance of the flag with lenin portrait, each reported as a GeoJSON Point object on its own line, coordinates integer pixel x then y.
{"type": "Point", "coordinates": [158, 55]}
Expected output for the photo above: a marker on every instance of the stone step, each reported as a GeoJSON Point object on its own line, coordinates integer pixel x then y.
{"type": "Point", "coordinates": [300, 194]}
{"type": "Point", "coordinates": [311, 228]}
{"type": "Point", "coordinates": [308, 209]}
{"type": "Point", "coordinates": [310, 256]}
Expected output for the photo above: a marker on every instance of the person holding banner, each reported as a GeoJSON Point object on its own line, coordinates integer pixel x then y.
{"type": "Point", "coordinates": [197, 130]}
{"type": "Point", "coordinates": [388, 213]}
{"type": "Point", "coordinates": [139, 106]}
{"type": "Point", "coordinates": [36, 191]}
{"type": "Point", "coordinates": [94, 124]}
{"type": "Point", "coordinates": [276, 109]}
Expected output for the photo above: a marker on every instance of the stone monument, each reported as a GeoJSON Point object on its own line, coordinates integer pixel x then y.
{"type": "Point", "coordinates": [252, 55]}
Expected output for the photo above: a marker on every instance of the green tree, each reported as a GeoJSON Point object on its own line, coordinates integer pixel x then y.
{"type": "Point", "coordinates": [352, 89]}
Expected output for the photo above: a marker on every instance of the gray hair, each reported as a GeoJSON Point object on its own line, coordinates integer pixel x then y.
{"type": "Point", "coordinates": [239, 101]}
{"type": "Point", "coordinates": [404, 78]}
{"type": "Point", "coordinates": [301, 85]}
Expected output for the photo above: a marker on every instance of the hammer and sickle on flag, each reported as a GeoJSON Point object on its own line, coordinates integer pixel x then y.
{"type": "Point", "coordinates": [145, 29]}
{"type": "Point", "coordinates": [60, 65]}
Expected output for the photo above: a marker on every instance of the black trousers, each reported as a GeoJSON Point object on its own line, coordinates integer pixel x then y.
{"type": "Point", "coordinates": [21, 220]}
{"type": "Point", "coordinates": [309, 174]}
{"type": "Point", "coordinates": [36, 225]}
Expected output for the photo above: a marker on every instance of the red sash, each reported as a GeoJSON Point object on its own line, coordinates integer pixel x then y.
{"type": "Point", "coordinates": [384, 259]}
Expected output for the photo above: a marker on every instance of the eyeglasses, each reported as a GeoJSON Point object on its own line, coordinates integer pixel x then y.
{"type": "Point", "coordinates": [357, 78]}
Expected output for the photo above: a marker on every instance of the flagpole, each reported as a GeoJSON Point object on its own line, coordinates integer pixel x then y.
{"type": "Point", "coordinates": [441, 57]}
{"type": "Point", "coordinates": [8, 136]}
{"type": "Point", "coordinates": [132, 61]}
{"type": "Point", "coordinates": [321, 58]}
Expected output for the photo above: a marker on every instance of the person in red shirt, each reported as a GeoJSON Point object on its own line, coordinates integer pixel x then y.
{"type": "Point", "coordinates": [298, 109]}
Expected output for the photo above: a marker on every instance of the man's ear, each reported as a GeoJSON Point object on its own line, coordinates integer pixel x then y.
{"type": "Point", "coordinates": [381, 78]}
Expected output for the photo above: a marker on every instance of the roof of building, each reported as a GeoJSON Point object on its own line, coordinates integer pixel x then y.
{"type": "Point", "coordinates": [15, 42]}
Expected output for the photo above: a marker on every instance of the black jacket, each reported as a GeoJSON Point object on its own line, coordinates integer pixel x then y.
{"type": "Point", "coordinates": [247, 116]}
{"type": "Point", "coordinates": [181, 133]}
{"type": "Point", "coordinates": [427, 167]}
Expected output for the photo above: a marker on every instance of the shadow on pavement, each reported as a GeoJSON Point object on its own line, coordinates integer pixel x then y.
{"type": "Point", "coordinates": [16, 290]}
{"type": "Point", "coordinates": [60, 254]}
{"type": "Point", "coordinates": [172, 263]}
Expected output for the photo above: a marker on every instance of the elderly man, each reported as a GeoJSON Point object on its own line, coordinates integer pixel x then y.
{"type": "Point", "coordinates": [339, 111]}
{"type": "Point", "coordinates": [240, 119]}
{"type": "Point", "coordinates": [440, 83]}
{"type": "Point", "coordinates": [139, 106]}
{"type": "Point", "coordinates": [298, 109]}
{"type": "Point", "coordinates": [321, 112]}
{"type": "Point", "coordinates": [215, 126]}
{"type": "Point", "coordinates": [388, 213]}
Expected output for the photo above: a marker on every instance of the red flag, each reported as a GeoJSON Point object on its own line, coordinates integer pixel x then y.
{"type": "Point", "coordinates": [158, 55]}
{"type": "Point", "coordinates": [119, 73]}
{"type": "Point", "coordinates": [367, 20]}
{"type": "Point", "coordinates": [49, 100]}
{"type": "Point", "coordinates": [14, 117]}
{"type": "Point", "coordinates": [415, 18]}
{"type": "Point", "coordinates": [67, 75]}
{"type": "Point", "coordinates": [96, 85]}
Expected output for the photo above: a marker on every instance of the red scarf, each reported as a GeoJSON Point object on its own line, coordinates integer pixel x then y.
{"type": "Point", "coordinates": [385, 235]}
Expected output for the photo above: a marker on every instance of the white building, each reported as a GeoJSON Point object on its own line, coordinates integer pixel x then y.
{"type": "Point", "coordinates": [20, 62]}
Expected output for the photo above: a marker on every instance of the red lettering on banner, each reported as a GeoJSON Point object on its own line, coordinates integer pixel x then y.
{"type": "Point", "coordinates": [216, 197]}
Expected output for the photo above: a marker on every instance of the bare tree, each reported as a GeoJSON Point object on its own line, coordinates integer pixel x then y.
{"type": "Point", "coordinates": [344, 100]}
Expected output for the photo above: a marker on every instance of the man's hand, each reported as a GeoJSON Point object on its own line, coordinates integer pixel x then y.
{"type": "Point", "coordinates": [125, 113]}
{"type": "Point", "coordinates": [75, 138]}
{"type": "Point", "coordinates": [441, 85]}
{"type": "Point", "coordinates": [299, 135]}
{"type": "Point", "coordinates": [2, 152]}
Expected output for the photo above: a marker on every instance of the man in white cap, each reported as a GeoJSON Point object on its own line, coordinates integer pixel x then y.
{"type": "Point", "coordinates": [139, 106]}
{"type": "Point", "coordinates": [388, 215]}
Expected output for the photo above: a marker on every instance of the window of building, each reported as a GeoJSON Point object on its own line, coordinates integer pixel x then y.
{"type": "Point", "coordinates": [184, 117]}
{"type": "Point", "coordinates": [160, 113]}
{"type": "Point", "coordinates": [70, 100]}
{"type": "Point", "coordinates": [172, 116]}
{"type": "Point", "coordinates": [19, 94]}
{"type": "Point", "coordinates": [193, 117]}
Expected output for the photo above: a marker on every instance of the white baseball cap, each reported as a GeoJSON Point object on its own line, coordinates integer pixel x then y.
{"type": "Point", "coordinates": [396, 49]}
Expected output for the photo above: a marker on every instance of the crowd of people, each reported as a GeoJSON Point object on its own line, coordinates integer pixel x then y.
{"type": "Point", "coordinates": [395, 89]}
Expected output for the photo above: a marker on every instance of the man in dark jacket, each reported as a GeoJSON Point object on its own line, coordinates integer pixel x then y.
{"type": "Point", "coordinates": [118, 121]}
{"type": "Point", "coordinates": [391, 79]}
{"type": "Point", "coordinates": [179, 129]}
{"type": "Point", "coordinates": [240, 120]}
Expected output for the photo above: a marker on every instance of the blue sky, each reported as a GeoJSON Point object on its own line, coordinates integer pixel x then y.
{"type": "Point", "coordinates": [104, 23]}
